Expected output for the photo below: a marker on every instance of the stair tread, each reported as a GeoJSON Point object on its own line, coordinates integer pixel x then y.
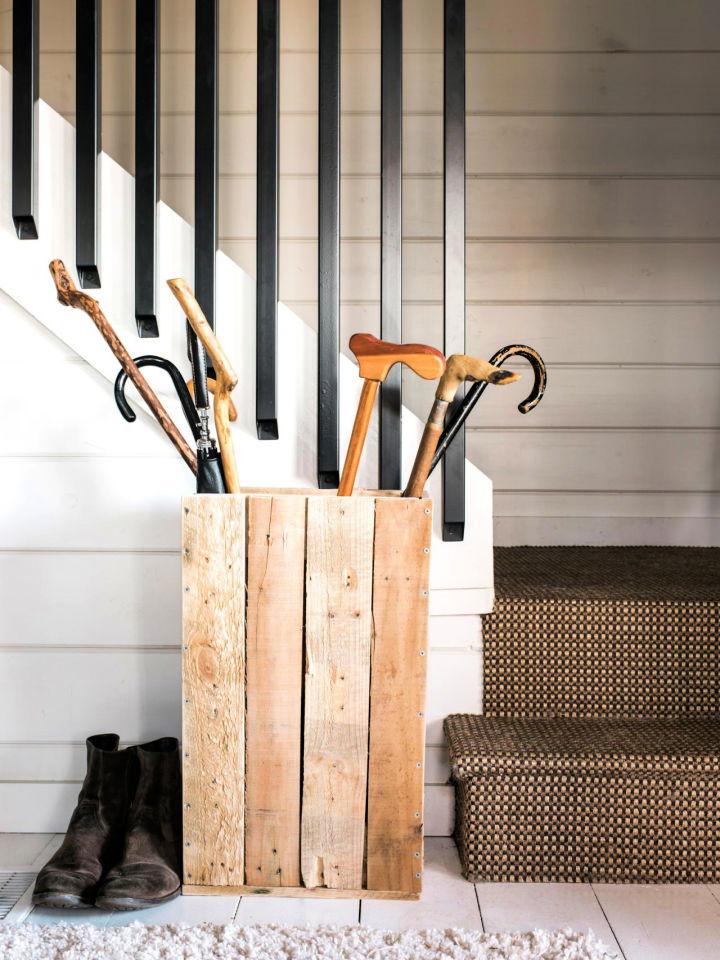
{"type": "Point", "coordinates": [661, 574]}
{"type": "Point", "coordinates": [670, 744]}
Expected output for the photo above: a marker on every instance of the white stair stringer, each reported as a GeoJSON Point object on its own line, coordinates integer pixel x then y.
{"type": "Point", "coordinates": [461, 573]}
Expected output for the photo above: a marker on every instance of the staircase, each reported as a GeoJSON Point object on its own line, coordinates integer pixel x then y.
{"type": "Point", "coordinates": [597, 757]}
{"type": "Point", "coordinates": [461, 577]}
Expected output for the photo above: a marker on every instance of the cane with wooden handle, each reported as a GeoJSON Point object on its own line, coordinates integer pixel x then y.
{"type": "Point", "coordinates": [463, 409]}
{"type": "Point", "coordinates": [459, 368]}
{"type": "Point", "coordinates": [70, 296]}
{"type": "Point", "coordinates": [226, 378]}
{"type": "Point", "coordinates": [375, 359]}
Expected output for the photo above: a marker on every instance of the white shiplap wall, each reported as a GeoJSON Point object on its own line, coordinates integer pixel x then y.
{"type": "Point", "coordinates": [593, 219]}
{"type": "Point", "coordinates": [593, 137]}
{"type": "Point", "coordinates": [593, 195]}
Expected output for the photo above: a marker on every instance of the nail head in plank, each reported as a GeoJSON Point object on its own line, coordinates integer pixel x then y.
{"type": "Point", "coordinates": [338, 627]}
{"type": "Point", "coordinates": [213, 688]}
{"type": "Point", "coordinates": [275, 601]}
{"type": "Point", "coordinates": [403, 530]}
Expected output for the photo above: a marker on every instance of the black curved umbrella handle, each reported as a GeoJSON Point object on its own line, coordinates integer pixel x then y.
{"type": "Point", "coordinates": [475, 392]}
{"type": "Point", "coordinates": [186, 400]}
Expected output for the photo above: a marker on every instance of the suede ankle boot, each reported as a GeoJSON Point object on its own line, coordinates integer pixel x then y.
{"type": "Point", "coordinates": [148, 872]}
{"type": "Point", "coordinates": [94, 838]}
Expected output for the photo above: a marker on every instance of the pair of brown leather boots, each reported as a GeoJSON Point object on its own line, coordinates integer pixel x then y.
{"type": "Point", "coordinates": [122, 846]}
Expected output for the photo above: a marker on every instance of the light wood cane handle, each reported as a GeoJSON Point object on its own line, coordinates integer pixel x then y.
{"type": "Point", "coordinates": [70, 296]}
{"type": "Point", "coordinates": [226, 378]}
{"type": "Point", "coordinates": [459, 368]}
{"type": "Point", "coordinates": [212, 387]}
{"type": "Point", "coordinates": [376, 357]}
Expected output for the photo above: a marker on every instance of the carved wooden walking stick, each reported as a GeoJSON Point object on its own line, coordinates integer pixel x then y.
{"type": "Point", "coordinates": [70, 296]}
{"type": "Point", "coordinates": [226, 378]}
{"type": "Point", "coordinates": [477, 390]}
{"type": "Point", "coordinates": [459, 368]}
{"type": "Point", "coordinates": [375, 359]}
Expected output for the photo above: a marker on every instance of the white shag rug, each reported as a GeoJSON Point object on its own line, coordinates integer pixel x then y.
{"type": "Point", "coordinates": [234, 942]}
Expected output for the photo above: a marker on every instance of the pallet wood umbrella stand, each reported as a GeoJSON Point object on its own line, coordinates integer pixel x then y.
{"type": "Point", "coordinates": [305, 621]}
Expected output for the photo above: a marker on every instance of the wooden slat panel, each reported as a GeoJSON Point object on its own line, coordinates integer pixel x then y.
{"type": "Point", "coordinates": [58, 693]}
{"type": "Point", "coordinates": [275, 585]}
{"type": "Point", "coordinates": [338, 632]}
{"type": "Point", "coordinates": [593, 333]}
{"type": "Point", "coordinates": [516, 271]}
{"type": "Point", "coordinates": [509, 145]}
{"type": "Point", "coordinates": [133, 599]}
{"type": "Point", "coordinates": [497, 82]}
{"type": "Point", "coordinates": [213, 688]}
{"type": "Point", "coordinates": [544, 207]}
{"type": "Point", "coordinates": [556, 25]}
{"type": "Point", "coordinates": [598, 397]}
{"type": "Point", "coordinates": [580, 459]}
{"type": "Point", "coordinates": [403, 531]}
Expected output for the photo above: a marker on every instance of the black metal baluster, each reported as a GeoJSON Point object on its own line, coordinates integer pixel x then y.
{"type": "Point", "coordinates": [328, 243]}
{"type": "Point", "coordinates": [88, 139]}
{"type": "Point", "coordinates": [454, 250]}
{"type": "Point", "coordinates": [147, 155]}
{"type": "Point", "coordinates": [206, 162]}
{"type": "Point", "coordinates": [391, 241]}
{"type": "Point", "coordinates": [267, 219]}
{"type": "Point", "coordinates": [26, 78]}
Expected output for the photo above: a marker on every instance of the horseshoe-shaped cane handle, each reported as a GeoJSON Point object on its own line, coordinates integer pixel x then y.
{"type": "Point", "coordinates": [477, 389]}
{"type": "Point", "coordinates": [186, 401]}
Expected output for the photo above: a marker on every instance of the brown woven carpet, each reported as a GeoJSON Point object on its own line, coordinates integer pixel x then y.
{"type": "Point", "coordinates": [587, 800]}
{"type": "Point", "coordinates": [603, 632]}
{"type": "Point", "coordinates": [598, 755]}
{"type": "Point", "coordinates": [608, 573]}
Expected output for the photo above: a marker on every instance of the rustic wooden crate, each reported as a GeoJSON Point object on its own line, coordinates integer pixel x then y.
{"type": "Point", "coordinates": [304, 640]}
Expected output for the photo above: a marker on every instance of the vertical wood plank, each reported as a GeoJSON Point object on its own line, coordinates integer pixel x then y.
{"type": "Point", "coordinates": [275, 602]}
{"type": "Point", "coordinates": [213, 688]}
{"type": "Point", "coordinates": [403, 530]}
{"type": "Point", "coordinates": [338, 631]}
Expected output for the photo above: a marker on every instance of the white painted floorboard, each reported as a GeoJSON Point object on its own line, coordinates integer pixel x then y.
{"type": "Point", "coordinates": [23, 851]}
{"type": "Point", "coordinates": [668, 922]}
{"type": "Point", "coordinates": [182, 910]}
{"type": "Point", "coordinates": [296, 911]}
{"type": "Point", "coordinates": [506, 907]}
{"type": "Point", "coordinates": [447, 900]}
{"type": "Point", "coordinates": [638, 921]}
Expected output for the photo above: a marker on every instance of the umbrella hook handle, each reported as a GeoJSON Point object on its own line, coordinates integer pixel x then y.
{"type": "Point", "coordinates": [475, 392]}
{"type": "Point", "coordinates": [539, 369]}
{"type": "Point", "coordinates": [186, 400]}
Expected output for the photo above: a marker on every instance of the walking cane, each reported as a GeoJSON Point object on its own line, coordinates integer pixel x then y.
{"type": "Point", "coordinates": [477, 390]}
{"type": "Point", "coordinates": [70, 296]}
{"type": "Point", "coordinates": [375, 359]}
{"type": "Point", "coordinates": [459, 368]}
{"type": "Point", "coordinates": [225, 375]}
